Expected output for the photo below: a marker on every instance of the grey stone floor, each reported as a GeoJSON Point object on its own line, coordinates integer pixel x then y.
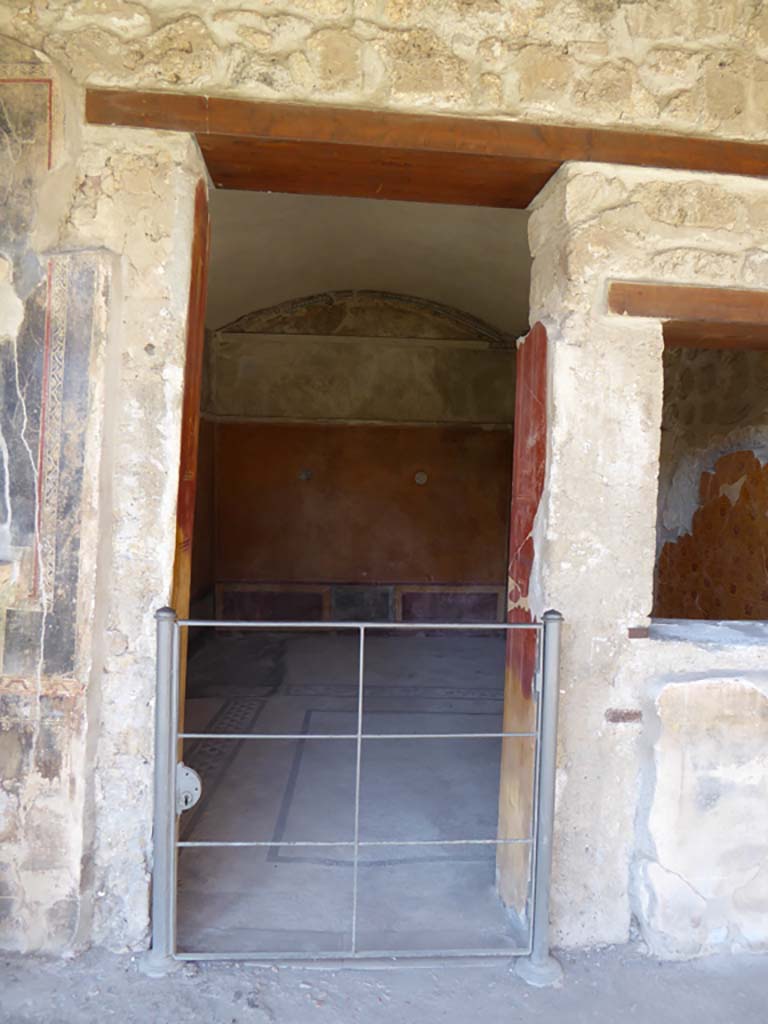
{"type": "Point", "coordinates": [606, 987]}
{"type": "Point", "coordinates": [279, 898]}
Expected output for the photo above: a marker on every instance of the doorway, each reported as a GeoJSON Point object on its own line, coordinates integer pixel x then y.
{"type": "Point", "coordinates": [354, 467]}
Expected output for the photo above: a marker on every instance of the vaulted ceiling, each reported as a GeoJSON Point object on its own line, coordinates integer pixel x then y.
{"type": "Point", "coordinates": [269, 248]}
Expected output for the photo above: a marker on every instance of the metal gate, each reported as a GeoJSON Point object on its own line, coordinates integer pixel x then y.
{"type": "Point", "coordinates": [175, 792]}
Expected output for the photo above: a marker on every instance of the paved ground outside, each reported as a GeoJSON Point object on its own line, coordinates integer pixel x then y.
{"type": "Point", "coordinates": [611, 986]}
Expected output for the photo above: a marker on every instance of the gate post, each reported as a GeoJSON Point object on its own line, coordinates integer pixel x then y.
{"type": "Point", "coordinates": [541, 968]}
{"type": "Point", "coordinates": [160, 958]}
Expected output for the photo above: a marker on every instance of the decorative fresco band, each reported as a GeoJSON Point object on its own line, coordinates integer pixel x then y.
{"type": "Point", "coordinates": [40, 632]}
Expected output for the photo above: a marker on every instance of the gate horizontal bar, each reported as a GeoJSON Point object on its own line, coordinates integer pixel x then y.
{"type": "Point", "coordinates": [353, 736]}
{"type": "Point", "coordinates": [425, 957]}
{"type": "Point", "coordinates": [351, 842]}
{"type": "Point", "coordinates": [236, 624]}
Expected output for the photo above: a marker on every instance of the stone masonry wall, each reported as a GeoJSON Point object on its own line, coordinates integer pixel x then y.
{"type": "Point", "coordinates": [689, 66]}
{"type": "Point", "coordinates": [595, 542]}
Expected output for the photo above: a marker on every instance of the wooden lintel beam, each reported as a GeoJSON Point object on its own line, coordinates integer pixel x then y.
{"type": "Point", "coordinates": [340, 126]}
{"type": "Point", "coordinates": [322, 168]}
{"type": "Point", "coordinates": [695, 316]}
{"type": "Point", "coordinates": [698, 334]}
{"type": "Point", "coordinates": [688, 302]}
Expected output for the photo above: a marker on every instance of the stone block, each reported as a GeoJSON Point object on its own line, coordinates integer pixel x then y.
{"type": "Point", "coordinates": [420, 64]}
{"type": "Point", "coordinates": [543, 73]}
{"type": "Point", "coordinates": [336, 57]}
{"type": "Point", "coordinates": [689, 204]}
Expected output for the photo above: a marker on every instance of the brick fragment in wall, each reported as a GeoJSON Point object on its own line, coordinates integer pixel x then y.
{"type": "Point", "coordinates": [621, 715]}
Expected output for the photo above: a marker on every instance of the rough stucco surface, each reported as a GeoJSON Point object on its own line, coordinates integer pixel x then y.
{"type": "Point", "coordinates": [686, 65]}
{"type": "Point", "coordinates": [76, 743]}
{"type": "Point", "coordinates": [134, 196]}
{"type": "Point", "coordinates": [595, 531]}
{"type": "Point", "coordinates": [699, 877]}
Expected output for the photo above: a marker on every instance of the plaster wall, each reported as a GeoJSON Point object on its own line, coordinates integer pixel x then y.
{"type": "Point", "coordinates": [95, 249]}
{"type": "Point", "coordinates": [595, 529]}
{"type": "Point", "coordinates": [303, 502]}
{"type": "Point", "coordinates": [203, 573]}
{"type": "Point", "coordinates": [685, 65]}
{"type": "Point", "coordinates": [471, 258]}
{"type": "Point", "coordinates": [361, 356]}
{"type": "Point", "coordinates": [699, 880]}
{"type": "Point", "coordinates": [717, 568]}
{"type": "Point", "coordinates": [363, 380]}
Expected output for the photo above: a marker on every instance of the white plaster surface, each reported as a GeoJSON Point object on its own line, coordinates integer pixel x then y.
{"type": "Point", "coordinates": [699, 870]}
{"type": "Point", "coordinates": [469, 257]}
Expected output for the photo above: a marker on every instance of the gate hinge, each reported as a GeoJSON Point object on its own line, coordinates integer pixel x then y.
{"type": "Point", "coordinates": [538, 679]}
{"type": "Point", "coordinates": [538, 675]}
{"type": "Point", "coordinates": [188, 787]}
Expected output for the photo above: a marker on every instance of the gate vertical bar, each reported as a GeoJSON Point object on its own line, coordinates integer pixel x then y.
{"type": "Point", "coordinates": [164, 816]}
{"type": "Point", "coordinates": [358, 756]}
{"type": "Point", "coordinates": [541, 968]}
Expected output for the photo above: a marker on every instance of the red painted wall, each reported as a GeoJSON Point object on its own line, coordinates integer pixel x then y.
{"type": "Point", "coordinates": [203, 569]}
{"type": "Point", "coordinates": [190, 411]}
{"type": "Point", "coordinates": [530, 463]}
{"type": "Point", "coordinates": [309, 502]}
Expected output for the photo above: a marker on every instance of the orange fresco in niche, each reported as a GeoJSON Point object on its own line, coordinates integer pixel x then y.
{"type": "Point", "coordinates": [720, 569]}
